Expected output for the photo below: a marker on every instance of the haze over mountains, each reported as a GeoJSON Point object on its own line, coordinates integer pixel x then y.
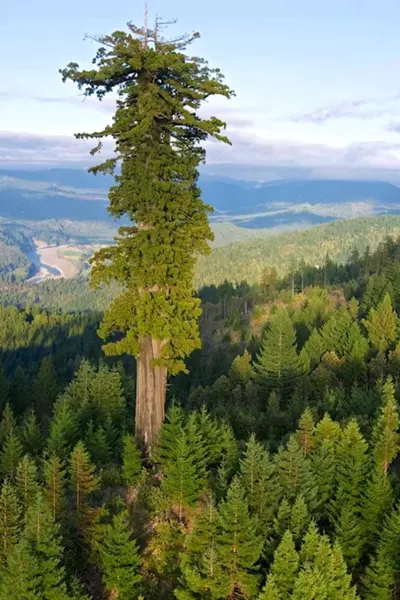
{"type": "Point", "coordinates": [74, 194]}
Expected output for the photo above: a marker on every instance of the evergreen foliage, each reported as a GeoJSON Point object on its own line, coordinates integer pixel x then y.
{"type": "Point", "coordinates": [238, 546]}
{"type": "Point", "coordinates": [382, 325]}
{"type": "Point", "coordinates": [10, 455]}
{"type": "Point", "coordinates": [83, 480]}
{"type": "Point", "coordinates": [154, 257]}
{"type": "Point", "coordinates": [278, 363]}
{"type": "Point", "coordinates": [20, 579]}
{"type": "Point", "coordinates": [201, 570]}
{"type": "Point", "coordinates": [131, 461]}
{"type": "Point", "coordinates": [43, 536]}
{"type": "Point", "coordinates": [10, 520]}
{"type": "Point", "coordinates": [54, 485]}
{"type": "Point", "coordinates": [257, 478]}
{"type": "Point", "coordinates": [26, 481]}
{"type": "Point", "coordinates": [285, 566]}
{"type": "Point", "coordinates": [120, 560]}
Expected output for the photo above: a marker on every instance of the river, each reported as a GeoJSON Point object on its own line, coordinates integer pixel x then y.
{"type": "Point", "coordinates": [43, 271]}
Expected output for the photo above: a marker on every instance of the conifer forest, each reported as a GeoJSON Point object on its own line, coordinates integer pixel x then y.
{"type": "Point", "coordinates": [232, 442]}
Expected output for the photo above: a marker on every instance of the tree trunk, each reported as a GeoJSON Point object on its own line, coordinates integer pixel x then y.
{"type": "Point", "coordinates": [151, 388]}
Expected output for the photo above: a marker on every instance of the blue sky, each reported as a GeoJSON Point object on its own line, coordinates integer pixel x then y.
{"type": "Point", "coordinates": [317, 83]}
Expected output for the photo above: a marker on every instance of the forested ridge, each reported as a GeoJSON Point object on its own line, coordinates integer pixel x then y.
{"type": "Point", "coordinates": [285, 251]}
{"type": "Point", "coordinates": [245, 261]}
{"type": "Point", "coordinates": [274, 476]}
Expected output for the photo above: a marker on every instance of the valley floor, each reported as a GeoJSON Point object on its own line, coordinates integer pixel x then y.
{"type": "Point", "coordinates": [52, 262]}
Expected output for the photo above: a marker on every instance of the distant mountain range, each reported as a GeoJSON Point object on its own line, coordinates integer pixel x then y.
{"type": "Point", "coordinates": [77, 195]}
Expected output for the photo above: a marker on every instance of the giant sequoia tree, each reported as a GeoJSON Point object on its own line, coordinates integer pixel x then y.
{"type": "Point", "coordinates": [158, 136]}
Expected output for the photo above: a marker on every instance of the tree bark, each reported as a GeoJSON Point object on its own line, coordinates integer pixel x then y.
{"type": "Point", "coordinates": [151, 388]}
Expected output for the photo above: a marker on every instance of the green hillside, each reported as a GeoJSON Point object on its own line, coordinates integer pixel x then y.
{"type": "Point", "coordinates": [246, 260]}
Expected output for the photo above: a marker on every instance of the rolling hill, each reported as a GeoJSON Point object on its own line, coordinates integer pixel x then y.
{"type": "Point", "coordinates": [245, 261]}
{"type": "Point", "coordinates": [77, 195]}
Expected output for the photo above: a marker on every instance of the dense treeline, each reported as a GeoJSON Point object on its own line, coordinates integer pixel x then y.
{"type": "Point", "coordinates": [58, 295]}
{"type": "Point", "coordinates": [246, 261]}
{"type": "Point", "coordinates": [275, 475]}
{"type": "Point", "coordinates": [14, 262]}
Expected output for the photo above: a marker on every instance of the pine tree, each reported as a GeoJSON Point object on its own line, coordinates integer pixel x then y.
{"type": "Point", "coordinates": [238, 545]}
{"type": "Point", "coordinates": [84, 524]}
{"type": "Point", "coordinates": [324, 572]}
{"type": "Point", "coordinates": [96, 395]}
{"type": "Point", "coordinates": [8, 423]}
{"type": "Point", "coordinates": [201, 575]}
{"type": "Point", "coordinates": [20, 580]}
{"type": "Point", "coordinates": [285, 566]}
{"type": "Point", "coordinates": [384, 567]}
{"type": "Point", "coordinates": [379, 493]}
{"type": "Point", "coordinates": [379, 580]}
{"type": "Point", "coordinates": [334, 332]}
{"type": "Point", "coordinates": [211, 433]}
{"type": "Point", "coordinates": [154, 258]}
{"type": "Point", "coordinates": [10, 456]}
{"type": "Point", "coordinates": [278, 363]}
{"type": "Point", "coordinates": [376, 290]}
{"type": "Point", "coordinates": [198, 448]}
{"type": "Point", "coordinates": [339, 579]}
{"type": "Point", "coordinates": [107, 399]}
{"type": "Point", "coordinates": [323, 462]}
{"type": "Point", "coordinates": [229, 460]}
{"type": "Point", "coordinates": [180, 482]}
{"type": "Point", "coordinates": [306, 431]}
{"type": "Point", "coordinates": [43, 537]}
{"type": "Point", "coordinates": [282, 519]}
{"type": "Point", "coordinates": [83, 480]}
{"type": "Point", "coordinates": [97, 444]}
{"type": "Point", "coordinates": [120, 559]}
{"type": "Point", "coordinates": [54, 485]}
{"type": "Point", "coordinates": [355, 345]}
{"type": "Point", "coordinates": [299, 518]}
{"type": "Point", "coordinates": [131, 461]}
{"type": "Point", "coordinates": [63, 430]}
{"type": "Point", "coordinates": [241, 370]}
{"type": "Point", "coordinates": [351, 465]}
{"type": "Point", "coordinates": [327, 429]}
{"type": "Point", "coordinates": [355, 352]}
{"type": "Point", "coordinates": [270, 591]}
{"type": "Point", "coordinates": [323, 465]}
{"type": "Point", "coordinates": [26, 481]}
{"type": "Point", "coordinates": [386, 438]}
{"type": "Point", "coordinates": [162, 557]}
{"type": "Point", "coordinates": [31, 436]}
{"type": "Point", "coordinates": [259, 482]}
{"type": "Point", "coordinates": [10, 515]}
{"type": "Point", "coordinates": [347, 506]}
{"type": "Point", "coordinates": [309, 548]}
{"type": "Point", "coordinates": [169, 433]}
{"type": "Point", "coordinates": [314, 348]}
{"type": "Point", "coordinates": [294, 472]}
{"type": "Point", "coordinates": [382, 325]}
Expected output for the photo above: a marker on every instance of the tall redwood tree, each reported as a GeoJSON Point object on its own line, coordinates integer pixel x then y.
{"type": "Point", "coordinates": [159, 136]}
